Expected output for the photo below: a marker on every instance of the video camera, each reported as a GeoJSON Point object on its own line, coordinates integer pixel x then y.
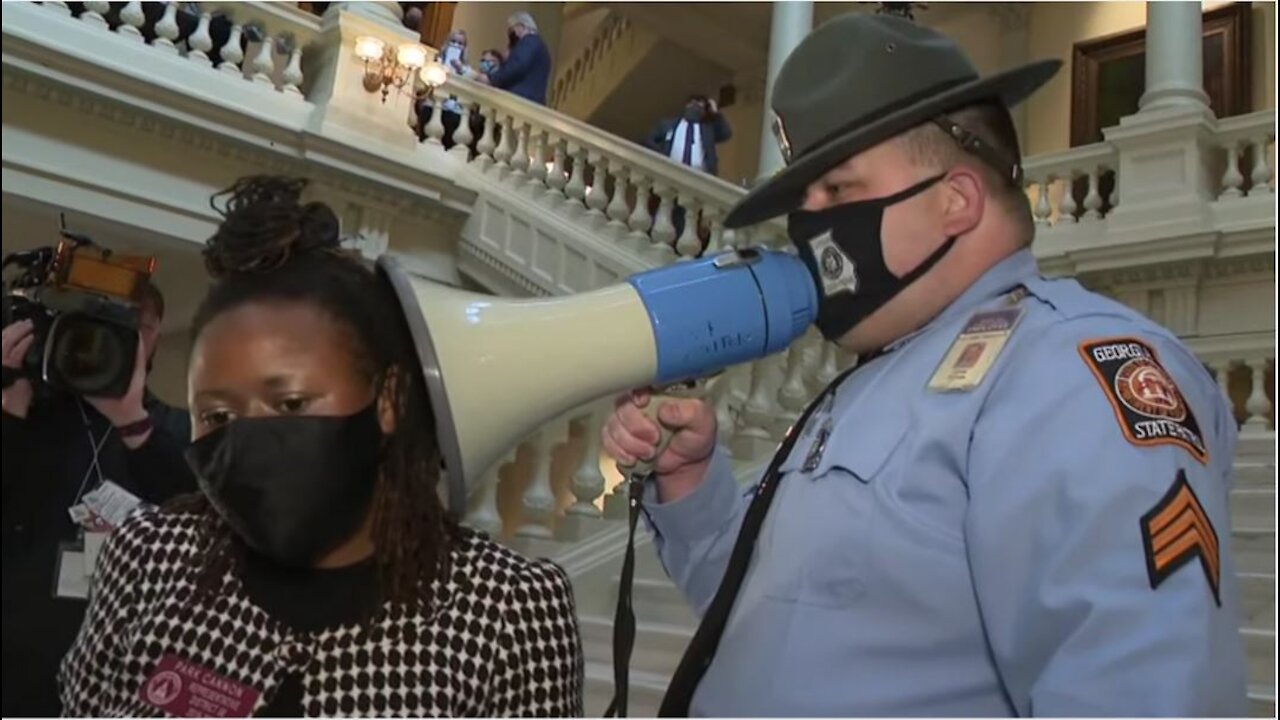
{"type": "Point", "coordinates": [85, 304]}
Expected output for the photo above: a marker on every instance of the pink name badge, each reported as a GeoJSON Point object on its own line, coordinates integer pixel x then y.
{"type": "Point", "coordinates": [184, 689]}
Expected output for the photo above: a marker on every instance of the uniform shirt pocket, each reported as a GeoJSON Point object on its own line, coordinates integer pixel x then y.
{"type": "Point", "coordinates": [820, 541]}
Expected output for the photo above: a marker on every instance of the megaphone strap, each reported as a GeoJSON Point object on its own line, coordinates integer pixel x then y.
{"type": "Point", "coordinates": [624, 619]}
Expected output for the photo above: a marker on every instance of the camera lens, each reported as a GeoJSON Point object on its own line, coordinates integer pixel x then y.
{"type": "Point", "coordinates": [92, 357]}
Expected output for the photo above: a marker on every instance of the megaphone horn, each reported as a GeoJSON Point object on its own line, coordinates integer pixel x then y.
{"type": "Point", "coordinates": [497, 368]}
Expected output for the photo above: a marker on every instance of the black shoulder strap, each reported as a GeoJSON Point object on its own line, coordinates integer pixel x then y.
{"type": "Point", "coordinates": [702, 648]}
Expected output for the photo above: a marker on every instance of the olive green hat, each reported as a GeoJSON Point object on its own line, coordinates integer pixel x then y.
{"type": "Point", "coordinates": [861, 79]}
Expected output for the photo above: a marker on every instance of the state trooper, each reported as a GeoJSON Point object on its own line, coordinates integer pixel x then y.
{"type": "Point", "coordinates": [1015, 504]}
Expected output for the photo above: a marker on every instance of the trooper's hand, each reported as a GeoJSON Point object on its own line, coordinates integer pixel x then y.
{"type": "Point", "coordinates": [17, 340]}
{"type": "Point", "coordinates": [630, 436]}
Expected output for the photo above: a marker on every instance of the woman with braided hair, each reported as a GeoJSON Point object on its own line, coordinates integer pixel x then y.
{"type": "Point", "coordinates": [316, 573]}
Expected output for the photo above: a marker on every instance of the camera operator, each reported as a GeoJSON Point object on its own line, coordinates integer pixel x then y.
{"type": "Point", "coordinates": [58, 448]}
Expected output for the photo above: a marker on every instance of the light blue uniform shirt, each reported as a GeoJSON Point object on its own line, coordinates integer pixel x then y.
{"type": "Point", "coordinates": [979, 552]}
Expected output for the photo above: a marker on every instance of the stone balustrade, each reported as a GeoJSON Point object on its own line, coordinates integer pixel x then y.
{"type": "Point", "coordinates": [260, 42]}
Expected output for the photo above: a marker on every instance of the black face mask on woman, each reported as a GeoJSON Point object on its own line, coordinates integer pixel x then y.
{"type": "Point", "coordinates": [844, 250]}
{"type": "Point", "coordinates": [292, 487]}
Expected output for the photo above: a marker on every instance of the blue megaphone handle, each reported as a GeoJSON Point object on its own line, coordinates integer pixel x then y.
{"type": "Point", "coordinates": [733, 307]}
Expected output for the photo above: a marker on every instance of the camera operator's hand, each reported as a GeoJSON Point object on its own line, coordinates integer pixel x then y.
{"type": "Point", "coordinates": [128, 409]}
{"type": "Point", "coordinates": [17, 341]}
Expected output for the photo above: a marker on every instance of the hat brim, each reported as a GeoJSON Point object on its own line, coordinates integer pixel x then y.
{"type": "Point", "coordinates": [784, 192]}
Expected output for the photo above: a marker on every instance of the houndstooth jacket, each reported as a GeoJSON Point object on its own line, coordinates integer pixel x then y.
{"type": "Point", "coordinates": [501, 639]}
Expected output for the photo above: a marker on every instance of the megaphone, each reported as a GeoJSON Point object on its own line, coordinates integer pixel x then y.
{"type": "Point", "coordinates": [496, 368]}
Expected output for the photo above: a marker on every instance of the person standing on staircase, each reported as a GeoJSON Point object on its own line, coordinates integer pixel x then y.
{"type": "Point", "coordinates": [1016, 503]}
{"type": "Point", "coordinates": [527, 67]}
{"type": "Point", "coordinates": [691, 140]}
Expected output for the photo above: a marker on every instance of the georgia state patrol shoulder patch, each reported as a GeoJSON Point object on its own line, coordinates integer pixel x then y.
{"type": "Point", "coordinates": [1148, 405]}
{"type": "Point", "coordinates": [1176, 531]}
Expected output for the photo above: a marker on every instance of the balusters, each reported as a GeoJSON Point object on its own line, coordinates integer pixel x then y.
{"type": "Point", "coordinates": [714, 219]}
{"type": "Point", "coordinates": [93, 13]}
{"type": "Point", "coordinates": [588, 482]}
{"type": "Point", "coordinates": [232, 54]}
{"type": "Point", "coordinates": [598, 193]}
{"type": "Point", "coordinates": [1042, 208]}
{"type": "Point", "coordinates": [795, 392]}
{"type": "Point", "coordinates": [537, 162]}
{"type": "Point", "coordinates": [483, 512]}
{"type": "Point", "coordinates": [660, 250]}
{"type": "Point", "coordinates": [435, 126]}
{"type": "Point", "coordinates": [292, 75]}
{"type": "Point", "coordinates": [1222, 373]}
{"type": "Point", "coordinates": [1067, 206]}
{"type": "Point", "coordinates": [1262, 175]}
{"type": "Point", "coordinates": [726, 407]}
{"type": "Point", "coordinates": [463, 137]}
{"type": "Point", "coordinates": [617, 209]}
{"type": "Point", "coordinates": [576, 191]}
{"type": "Point", "coordinates": [132, 19]}
{"type": "Point", "coordinates": [1258, 405]}
{"type": "Point", "coordinates": [539, 500]}
{"type": "Point", "coordinates": [729, 238]}
{"type": "Point", "coordinates": [167, 30]}
{"type": "Point", "coordinates": [690, 243]}
{"type": "Point", "coordinates": [556, 178]}
{"type": "Point", "coordinates": [1232, 180]}
{"type": "Point", "coordinates": [56, 6]}
{"type": "Point", "coordinates": [520, 156]}
{"type": "Point", "coordinates": [200, 43]}
{"type": "Point", "coordinates": [487, 146]}
{"type": "Point", "coordinates": [640, 220]}
{"type": "Point", "coordinates": [1092, 198]}
{"type": "Point", "coordinates": [264, 63]}
{"type": "Point", "coordinates": [762, 417]}
{"type": "Point", "coordinates": [506, 146]}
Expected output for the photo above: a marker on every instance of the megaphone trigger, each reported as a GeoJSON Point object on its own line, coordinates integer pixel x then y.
{"type": "Point", "coordinates": [642, 469]}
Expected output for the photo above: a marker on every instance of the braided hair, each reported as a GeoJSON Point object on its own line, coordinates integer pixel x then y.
{"type": "Point", "coordinates": [271, 247]}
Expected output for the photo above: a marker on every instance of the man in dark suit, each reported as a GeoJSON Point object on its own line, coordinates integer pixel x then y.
{"type": "Point", "coordinates": [527, 68]}
{"type": "Point", "coordinates": [691, 139]}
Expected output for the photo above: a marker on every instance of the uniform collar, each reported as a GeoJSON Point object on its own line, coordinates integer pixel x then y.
{"type": "Point", "coordinates": [1000, 279]}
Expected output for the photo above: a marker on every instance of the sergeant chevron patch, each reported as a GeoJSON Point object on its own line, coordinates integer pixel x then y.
{"type": "Point", "coordinates": [1148, 405]}
{"type": "Point", "coordinates": [1177, 530]}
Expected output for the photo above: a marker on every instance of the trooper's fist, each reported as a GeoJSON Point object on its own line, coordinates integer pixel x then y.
{"type": "Point", "coordinates": [630, 436]}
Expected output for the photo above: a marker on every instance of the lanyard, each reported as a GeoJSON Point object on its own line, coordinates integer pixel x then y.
{"type": "Point", "coordinates": [95, 445]}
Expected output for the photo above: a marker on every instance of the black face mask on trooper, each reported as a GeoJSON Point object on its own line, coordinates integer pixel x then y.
{"type": "Point", "coordinates": [844, 250]}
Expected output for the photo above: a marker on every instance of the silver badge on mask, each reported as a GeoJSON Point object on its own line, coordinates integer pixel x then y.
{"type": "Point", "coordinates": [836, 270]}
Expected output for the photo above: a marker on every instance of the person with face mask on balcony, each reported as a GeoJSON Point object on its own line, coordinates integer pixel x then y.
{"type": "Point", "coordinates": [317, 572]}
{"type": "Point", "coordinates": [1015, 503]}
{"type": "Point", "coordinates": [691, 139]}
{"type": "Point", "coordinates": [527, 67]}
